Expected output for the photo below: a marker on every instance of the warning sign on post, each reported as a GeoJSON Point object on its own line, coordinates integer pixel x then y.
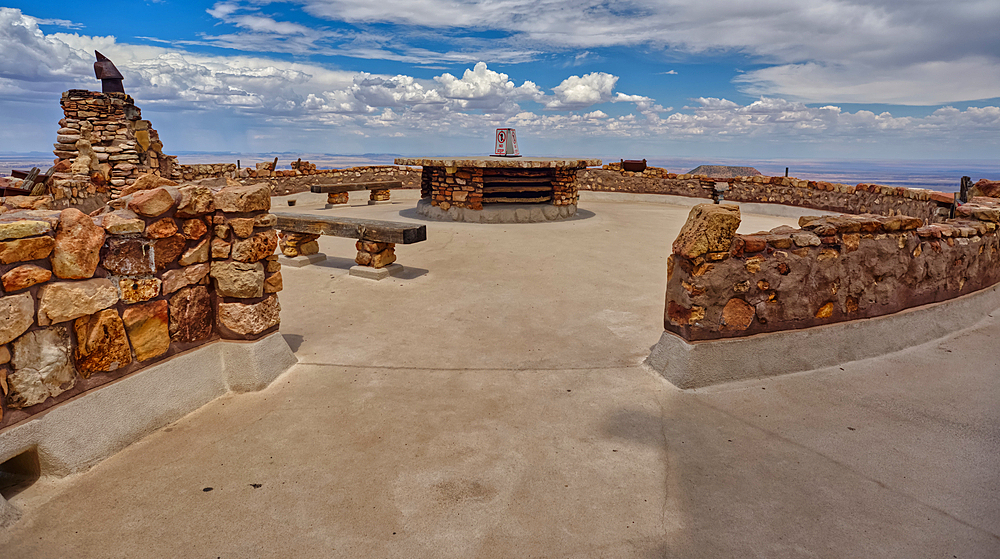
{"type": "Point", "coordinates": [506, 143]}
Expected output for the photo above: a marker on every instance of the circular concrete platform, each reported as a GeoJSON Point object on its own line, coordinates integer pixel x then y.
{"type": "Point", "coordinates": [498, 213]}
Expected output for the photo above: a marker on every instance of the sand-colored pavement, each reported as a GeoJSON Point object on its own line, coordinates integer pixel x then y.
{"type": "Point", "coordinates": [491, 402]}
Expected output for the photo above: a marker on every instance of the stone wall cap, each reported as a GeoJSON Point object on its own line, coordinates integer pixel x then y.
{"type": "Point", "coordinates": [501, 162]}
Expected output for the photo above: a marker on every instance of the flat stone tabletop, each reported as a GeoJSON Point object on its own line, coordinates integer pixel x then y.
{"type": "Point", "coordinates": [501, 162]}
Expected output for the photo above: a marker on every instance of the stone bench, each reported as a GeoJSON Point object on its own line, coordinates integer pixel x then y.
{"type": "Point", "coordinates": [337, 192]}
{"type": "Point", "coordinates": [376, 241]}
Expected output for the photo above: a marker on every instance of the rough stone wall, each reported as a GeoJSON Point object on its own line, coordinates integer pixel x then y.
{"type": "Point", "coordinates": [86, 300]}
{"type": "Point", "coordinates": [102, 146]}
{"type": "Point", "coordinates": [832, 269]}
{"type": "Point", "coordinates": [207, 171]}
{"type": "Point", "coordinates": [861, 198]}
{"type": "Point", "coordinates": [462, 188]}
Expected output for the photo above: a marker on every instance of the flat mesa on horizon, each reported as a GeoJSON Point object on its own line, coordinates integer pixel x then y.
{"type": "Point", "coordinates": [724, 171]}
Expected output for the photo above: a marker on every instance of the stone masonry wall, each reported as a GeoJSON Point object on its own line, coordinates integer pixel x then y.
{"type": "Point", "coordinates": [87, 299]}
{"type": "Point", "coordinates": [925, 204]}
{"type": "Point", "coordinates": [102, 146]}
{"type": "Point", "coordinates": [836, 268]}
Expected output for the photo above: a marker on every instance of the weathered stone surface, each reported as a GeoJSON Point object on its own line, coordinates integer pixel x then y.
{"type": "Point", "coordinates": [66, 300]}
{"type": "Point", "coordinates": [137, 290]}
{"type": "Point", "coordinates": [187, 275]}
{"type": "Point", "coordinates": [122, 222]}
{"type": "Point", "coordinates": [242, 226]}
{"type": "Point", "coordinates": [272, 265]}
{"type": "Point", "coordinates": [265, 220]}
{"type": "Point", "coordinates": [152, 203]}
{"type": "Point", "coordinates": [147, 182]}
{"type": "Point", "coordinates": [195, 201]}
{"type": "Point", "coordinates": [23, 228]}
{"type": "Point", "coordinates": [273, 283]}
{"type": "Point", "coordinates": [309, 247]}
{"type": "Point", "coordinates": [191, 314]}
{"type": "Point", "coordinates": [709, 228]}
{"type": "Point", "coordinates": [4, 357]}
{"type": "Point", "coordinates": [78, 246]}
{"type": "Point", "coordinates": [101, 343]}
{"type": "Point", "coordinates": [129, 257]}
{"type": "Point", "coordinates": [238, 279]}
{"type": "Point", "coordinates": [220, 249]}
{"type": "Point", "coordinates": [24, 277]}
{"type": "Point", "coordinates": [162, 228]}
{"type": "Point", "coordinates": [250, 319]}
{"type": "Point", "coordinates": [805, 239]}
{"type": "Point", "coordinates": [28, 202]}
{"type": "Point", "coordinates": [166, 251]}
{"type": "Point", "coordinates": [984, 187]}
{"type": "Point", "coordinates": [17, 314]}
{"type": "Point", "coordinates": [237, 199]}
{"type": "Point", "coordinates": [147, 325]}
{"type": "Point", "coordinates": [257, 247]}
{"type": "Point", "coordinates": [21, 250]}
{"type": "Point", "coordinates": [42, 367]}
{"type": "Point", "coordinates": [196, 254]}
{"type": "Point", "coordinates": [222, 231]}
{"type": "Point", "coordinates": [383, 259]}
{"type": "Point", "coordinates": [737, 315]}
{"type": "Point", "coordinates": [193, 228]}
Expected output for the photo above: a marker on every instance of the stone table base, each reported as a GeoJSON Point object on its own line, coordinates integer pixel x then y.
{"type": "Point", "coordinates": [498, 213]}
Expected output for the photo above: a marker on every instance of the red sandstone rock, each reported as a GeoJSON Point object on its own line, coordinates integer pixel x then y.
{"type": "Point", "coordinates": [24, 277]}
{"type": "Point", "coordinates": [147, 325]}
{"type": "Point", "coordinates": [984, 187]}
{"type": "Point", "coordinates": [168, 250]}
{"type": "Point", "coordinates": [242, 226]}
{"type": "Point", "coordinates": [162, 228]}
{"type": "Point", "coordinates": [101, 343]}
{"type": "Point", "coordinates": [152, 203]}
{"type": "Point", "coordinates": [737, 315]}
{"type": "Point", "coordinates": [193, 228]}
{"type": "Point", "coordinates": [187, 275]}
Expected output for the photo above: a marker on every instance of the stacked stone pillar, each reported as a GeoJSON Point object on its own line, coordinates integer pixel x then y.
{"type": "Point", "coordinates": [375, 255]}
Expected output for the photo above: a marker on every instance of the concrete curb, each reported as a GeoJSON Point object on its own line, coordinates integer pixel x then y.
{"type": "Point", "coordinates": [81, 432]}
{"type": "Point", "coordinates": [777, 210]}
{"type": "Point", "coordinates": [704, 363]}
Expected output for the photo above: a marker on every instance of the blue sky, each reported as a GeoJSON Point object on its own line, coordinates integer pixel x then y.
{"type": "Point", "coordinates": [670, 78]}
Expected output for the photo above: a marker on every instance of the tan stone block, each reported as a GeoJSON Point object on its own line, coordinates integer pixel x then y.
{"type": "Point", "coordinates": [242, 226]}
{"type": "Point", "coordinates": [265, 220]}
{"type": "Point", "coordinates": [30, 248]}
{"type": "Point", "coordinates": [17, 314]}
{"type": "Point", "coordinates": [101, 343]}
{"type": "Point", "coordinates": [220, 249]}
{"type": "Point", "coordinates": [42, 367]}
{"type": "Point", "coordinates": [78, 245]}
{"type": "Point", "coordinates": [4, 358]}
{"type": "Point", "coordinates": [256, 247]}
{"type": "Point", "coordinates": [24, 277]}
{"type": "Point", "coordinates": [241, 199]}
{"type": "Point", "coordinates": [195, 201]}
{"type": "Point", "coordinates": [196, 254]}
{"type": "Point", "coordinates": [252, 319]}
{"type": "Point", "coordinates": [122, 222]}
{"type": "Point", "coordinates": [273, 283]}
{"type": "Point", "coordinates": [310, 247]}
{"type": "Point", "coordinates": [66, 300]}
{"type": "Point", "coordinates": [271, 266]}
{"type": "Point", "coordinates": [147, 325]}
{"type": "Point", "coordinates": [136, 290]}
{"type": "Point", "coordinates": [188, 275]}
{"type": "Point", "coordinates": [709, 228]}
{"type": "Point", "coordinates": [222, 231]}
{"type": "Point", "coordinates": [147, 182]}
{"type": "Point", "coordinates": [238, 279]}
{"type": "Point", "coordinates": [23, 228]}
{"type": "Point", "coordinates": [383, 259]}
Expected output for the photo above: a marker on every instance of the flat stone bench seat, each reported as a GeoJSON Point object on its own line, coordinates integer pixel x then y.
{"type": "Point", "coordinates": [376, 240]}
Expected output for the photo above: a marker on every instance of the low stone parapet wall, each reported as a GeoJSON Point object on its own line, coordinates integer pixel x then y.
{"type": "Point", "coordinates": [832, 269]}
{"type": "Point", "coordinates": [922, 203]}
{"type": "Point", "coordinates": [87, 300]}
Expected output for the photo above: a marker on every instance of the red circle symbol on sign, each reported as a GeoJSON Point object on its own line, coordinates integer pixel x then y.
{"type": "Point", "coordinates": [501, 137]}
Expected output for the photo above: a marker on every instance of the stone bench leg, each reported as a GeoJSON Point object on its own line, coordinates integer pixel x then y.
{"type": "Point", "coordinates": [336, 198]}
{"type": "Point", "coordinates": [299, 249]}
{"type": "Point", "coordinates": [377, 196]}
{"type": "Point", "coordinates": [375, 260]}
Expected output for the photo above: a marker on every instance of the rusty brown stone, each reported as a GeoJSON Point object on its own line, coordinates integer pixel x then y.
{"type": "Point", "coordinates": [851, 242]}
{"type": "Point", "coordinates": [77, 245]}
{"type": "Point", "coordinates": [101, 343]}
{"type": "Point", "coordinates": [256, 247]}
{"type": "Point", "coordinates": [737, 315]}
{"type": "Point", "coordinates": [168, 250]}
{"type": "Point", "coordinates": [147, 325]}
{"type": "Point", "coordinates": [129, 257]}
{"type": "Point", "coordinates": [273, 283]}
{"type": "Point", "coordinates": [162, 228]}
{"type": "Point", "coordinates": [191, 314]}
{"type": "Point", "coordinates": [193, 228]}
{"type": "Point", "coordinates": [22, 250]}
{"type": "Point", "coordinates": [220, 249]}
{"type": "Point", "coordinates": [754, 244]}
{"type": "Point", "coordinates": [24, 277]}
{"type": "Point", "coordinates": [137, 290]}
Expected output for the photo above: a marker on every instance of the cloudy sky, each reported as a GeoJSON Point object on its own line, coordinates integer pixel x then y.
{"type": "Point", "coordinates": [912, 79]}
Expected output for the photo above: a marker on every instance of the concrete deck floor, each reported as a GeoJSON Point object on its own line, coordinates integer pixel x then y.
{"type": "Point", "coordinates": [491, 403]}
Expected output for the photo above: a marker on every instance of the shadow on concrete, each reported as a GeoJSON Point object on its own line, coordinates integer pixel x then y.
{"type": "Point", "coordinates": [409, 273]}
{"type": "Point", "coordinates": [338, 262]}
{"type": "Point", "coordinates": [293, 341]}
